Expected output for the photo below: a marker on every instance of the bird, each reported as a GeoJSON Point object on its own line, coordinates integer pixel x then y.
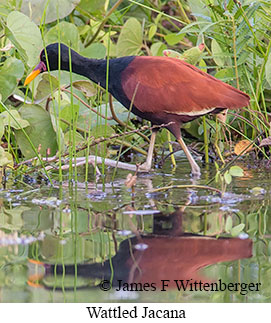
{"type": "Point", "coordinates": [166, 91]}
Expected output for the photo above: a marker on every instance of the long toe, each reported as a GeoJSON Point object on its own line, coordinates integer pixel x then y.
{"type": "Point", "coordinates": [195, 172]}
{"type": "Point", "coordinates": [144, 168]}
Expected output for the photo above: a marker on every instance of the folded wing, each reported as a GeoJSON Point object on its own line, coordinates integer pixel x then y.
{"type": "Point", "coordinates": [170, 85]}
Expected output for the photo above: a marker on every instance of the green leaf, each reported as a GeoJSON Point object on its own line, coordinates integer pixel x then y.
{"type": "Point", "coordinates": [5, 158]}
{"type": "Point", "coordinates": [201, 128]}
{"type": "Point", "coordinates": [96, 50]}
{"type": "Point", "coordinates": [40, 131]}
{"type": "Point", "coordinates": [55, 9]}
{"type": "Point", "coordinates": [25, 36]}
{"type": "Point", "coordinates": [86, 87]}
{"type": "Point", "coordinates": [66, 114]}
{"type": "Point", "coordinates": [235, 231]}
{"type": "Point", "coordinates": [173, 39]}
{"type": "Point", "coordinates": [227, 177]}
{"type": "Point", "coordinates": [171, 53]}
{"type": "Point", "coordinates": [158, 17]}
{"type": "Point", "coordinates": [67, 282]}
{"type": "Point", "coordinates": [120, 111]}
{"type": "Point", "coordinates": [236, 171]}
{"type": "Point", "coordinates": [57, 129]}
{"type": "Point", "coordinates": [79, 139]}
{"type": "Point", "coordinates": [193, 55]}
{"type": "Point", "coordinates": [2, 128]}
{"type": "Point", "coordinates": [130, 39]}
{"type": "Point", "coordinates": [225, 74]}
{"type": "Point", "coordinates": [13, 119]}
{"type": "Point", "coordinates": [68, 35]}
{"type": "Point", "coordinates": [158, 48]}
{"type": "Point", "coordinates": [268, 69]}
{"type": "Point", "coordinates": [258, 191]}
{"type": "Point", "coordinates": [152, 31]}
{"type": "Point", "coordinates": [218, 54]}
{"type": "Point", "coordinates": [199, 8]}
{"type": "Point", "coordinates": [11, 71]}
{"type": "Point", "coordinates": [91, 5]}
{"type": "Point", "coordinates": [44, 89]}
{"type": "Point", "coordinates": [89, 119]}
{"type": "Point", "coordinates": [228, 225]}
{"type": "Point", "coordinates": [102, 131]}
{"type": "Point", "coordinates": [202, 65]}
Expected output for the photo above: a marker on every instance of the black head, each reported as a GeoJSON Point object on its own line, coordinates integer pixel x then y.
{"type": "Point", "coordinates": [52, 63]}
{"type": "Point", "coordinates": [53, 51]}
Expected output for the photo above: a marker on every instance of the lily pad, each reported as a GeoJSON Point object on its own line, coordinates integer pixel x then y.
{"type": "Point", "coordinates": [86, 87]}
{"type": "Point", "coordinates": [66, 32]}
{"type": "Point", "coordinates": [96, 50]}
{"type": "Point", "coordinates": [79, 139]}
{"type": "Point", "coordinates": [102, 131]}
{"type": "Point", "coordinates": [13, 119]}
{"type": "Point", "coordinates": [25, 35]}
{"type": "Point", "coordinates": [46, 86]}
{"type": "Point", "coordinates": [40, 132]}
{"type": "Point", "coordinates": [11, 71]}
{"type": "Point", "coordinates": [92, 5]}
{"type": "Point", "coordinates": [90, 118]}
{"type": "Point", "coordinates": [55, 9]}
{"type": "Point", "coordinates": [130, 38]}
{"type": "Point", "coordinates": [66, 114]}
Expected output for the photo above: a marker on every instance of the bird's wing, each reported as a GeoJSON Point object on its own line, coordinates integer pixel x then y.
{"type": "Point", "coordinates": [156, 84]}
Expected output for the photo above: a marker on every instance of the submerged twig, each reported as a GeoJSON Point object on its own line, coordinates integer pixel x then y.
{"type": "Point", "coordinates": [95, 160]}
{"type": "Point", "coordinates": [93, 143]}
{"type": "Point", "coordinates": [204, 187]}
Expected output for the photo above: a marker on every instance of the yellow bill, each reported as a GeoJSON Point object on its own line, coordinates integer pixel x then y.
{"type": "Point", "coordinates": [36, 71]}
{"type": "Point", "coordinates": [31, 76]}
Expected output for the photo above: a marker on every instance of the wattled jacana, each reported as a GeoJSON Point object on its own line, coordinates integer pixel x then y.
{"type": "Point", "coordinates": [162, 90]}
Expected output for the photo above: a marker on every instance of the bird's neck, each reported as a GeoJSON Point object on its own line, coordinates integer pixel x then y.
{"type": "Point", "coordinates": [94, 69]}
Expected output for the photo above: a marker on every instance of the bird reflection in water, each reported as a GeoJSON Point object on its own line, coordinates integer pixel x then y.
{"type": "Point", "coordinates": [167, 254]}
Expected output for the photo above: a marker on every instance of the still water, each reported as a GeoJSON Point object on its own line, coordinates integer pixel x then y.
{"type": "Point", "coordinates": [110, 243]}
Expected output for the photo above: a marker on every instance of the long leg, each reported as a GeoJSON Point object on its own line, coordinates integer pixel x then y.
{"type": "Point", "coordinates": [147, 165]}
{"type": "Point", "coordinates": [194, 166]}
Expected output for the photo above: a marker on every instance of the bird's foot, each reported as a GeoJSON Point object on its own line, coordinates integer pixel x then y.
{"type": "Point", "coordinates": [144, 168]}
{"type": "Point", "coordinates": [195, 172]}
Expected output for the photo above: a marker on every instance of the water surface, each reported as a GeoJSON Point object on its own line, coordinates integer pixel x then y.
{"type": "Point", "coordinates": [57, 244]}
